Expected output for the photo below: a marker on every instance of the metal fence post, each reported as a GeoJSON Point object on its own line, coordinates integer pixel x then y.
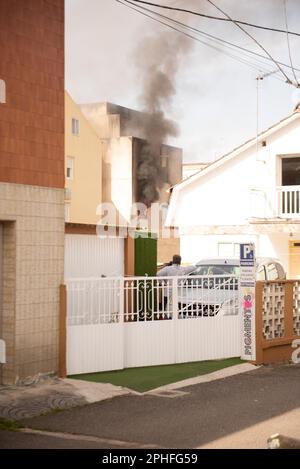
{"type": "Point", "coordinates": [121, 317]}
{"type": "Point", "coordinates": [175, 314]}
{"type": "Point", "coordinates": [62, 361]}
{"type": "Point", "coordinates": [175, 298]}
{"type": "Point", "coordinates": [121, 298]}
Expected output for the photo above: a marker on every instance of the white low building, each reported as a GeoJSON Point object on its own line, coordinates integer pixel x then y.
{"type": "Point", "coordinates": [251, 194]}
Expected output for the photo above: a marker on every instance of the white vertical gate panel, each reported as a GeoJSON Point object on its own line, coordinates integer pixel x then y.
{"type": "Point", "coordinates": [207, 338]}
{"type": "Point", "coordinates": [98, 339]}
{"type": "Point", "coordinates": [149, 343]}
{"type": "Point", "coordinates": [94, 347]}
{"type": "Point", "coordinates": [91, 256]}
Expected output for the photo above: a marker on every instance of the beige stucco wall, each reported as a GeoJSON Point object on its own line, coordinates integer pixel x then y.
{"type": "Point", "coordinates": [105, 124]}
{"type": "Point", "coordinates": [32, 218]}
{"type": "Point", "coordinates": [167, 247]}
{"type": "Point", "coordinates": [85, 149]}
{"type": "Point", "coordinates": [118, 175]}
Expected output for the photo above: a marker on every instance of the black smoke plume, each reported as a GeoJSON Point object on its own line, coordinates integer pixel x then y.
{"type": "Point", "coordinates": [158, 60]}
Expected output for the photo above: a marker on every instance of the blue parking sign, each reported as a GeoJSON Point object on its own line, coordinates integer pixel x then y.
{"type": "Point", "coordinates": [247, 254]}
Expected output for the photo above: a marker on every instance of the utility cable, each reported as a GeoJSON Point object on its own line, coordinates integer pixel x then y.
{"type": "Point", "coordinates": [239, 59]}
{"type": "Point", "coordinates": [210, 36]}
{"type": "Point", "coordinates": [215, 17]}
{"type": "Point", "coordinates": [253, 38]}
{"type": "Point", "coordinates": [288, 41]}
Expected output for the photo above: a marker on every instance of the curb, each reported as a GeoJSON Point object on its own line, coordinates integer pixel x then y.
{"type": "Point", "coordinates": [215, 375]}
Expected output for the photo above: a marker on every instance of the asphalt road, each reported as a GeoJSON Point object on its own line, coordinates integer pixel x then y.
{"type": "Point", "coordinates": [207, 413]}
{"type": "Point", "coordinates": [17, 440]}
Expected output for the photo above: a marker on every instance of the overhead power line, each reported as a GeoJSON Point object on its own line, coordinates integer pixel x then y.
{"type": "Point", "coordinates": [202, 33]}
{"type": "Point", "coordinates": [239, 59]}
{"type": "Point", "coordinates": [288, 41]}
{"type": "Point", "coordinates": [215, 17]}
{"type": "Point", "coordinates": [253, 38]}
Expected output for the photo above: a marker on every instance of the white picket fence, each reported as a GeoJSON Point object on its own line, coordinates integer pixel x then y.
{"type": "Point", "coordinates": [117, 322]}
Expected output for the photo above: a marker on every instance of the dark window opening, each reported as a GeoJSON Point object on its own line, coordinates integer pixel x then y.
{"type": "Point", "coordinates": [290, 171]}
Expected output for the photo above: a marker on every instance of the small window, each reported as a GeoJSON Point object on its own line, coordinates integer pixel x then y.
{"type": "Point", "coordinates": [70, 168]}
{"type": "Point", "coordinates": [75, 126]}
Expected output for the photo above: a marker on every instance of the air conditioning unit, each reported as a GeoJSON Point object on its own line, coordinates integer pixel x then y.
{"type": "Point", "coordinates": [68, 194]}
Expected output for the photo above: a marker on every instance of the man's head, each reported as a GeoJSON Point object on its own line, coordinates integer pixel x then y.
{"type": "Point", "coordinates": [176, 259]}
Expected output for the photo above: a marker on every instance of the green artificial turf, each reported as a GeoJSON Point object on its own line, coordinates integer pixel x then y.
{"type": "Point", "coordinates": [151, 377]}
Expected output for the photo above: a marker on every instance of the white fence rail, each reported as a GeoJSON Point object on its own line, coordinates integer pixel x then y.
{"type": "Point", "coordinates": [116, 323]}
{"type": "Point", "coordinates": [289, 201]}
{"type": "Point", "coordinates": [281, 201]}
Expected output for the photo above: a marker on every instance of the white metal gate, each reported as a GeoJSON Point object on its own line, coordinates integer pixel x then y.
{"type": "Point", "coordinates": [115, 323]}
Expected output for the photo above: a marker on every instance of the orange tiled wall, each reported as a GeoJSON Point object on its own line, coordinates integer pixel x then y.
{"type": "Point", "coordinates": [32, 65]}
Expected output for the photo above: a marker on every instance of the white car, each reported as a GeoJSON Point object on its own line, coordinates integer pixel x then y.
{"type": "Point", "coordinates": [213, 287]}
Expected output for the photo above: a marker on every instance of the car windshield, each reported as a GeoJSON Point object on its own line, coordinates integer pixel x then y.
{"type": "Point", "coordinates": [209, 269]}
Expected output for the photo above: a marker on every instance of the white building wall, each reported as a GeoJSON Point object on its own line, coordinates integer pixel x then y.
{"type": "Point", "coordinates": [223, 199]}
{"type": "Point", "coordinates": [220, 199]}
{"type": "Point", "coordinates": [197, 247]}
{"type": "Point", "coordinates": [275, 245]}
{"type": "Point", "coordinates": [222, 196]}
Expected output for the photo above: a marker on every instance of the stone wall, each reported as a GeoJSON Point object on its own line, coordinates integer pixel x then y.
{"type": "Point", "coordinates": [33, 264]}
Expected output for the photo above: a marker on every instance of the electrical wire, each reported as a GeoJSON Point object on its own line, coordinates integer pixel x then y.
{"type": "Point", "coordinates": [288, 41]}
{"type": "Point", "coordinates": [196, 39]}
{"type": "Point", "coordinates": [215, 17]}
{"type": "Point", "coordinates": [239, 59]}
{"type": "Point", "coordinates": [288, 80]}
{"type": "Point", "coordinates": [210, 36]}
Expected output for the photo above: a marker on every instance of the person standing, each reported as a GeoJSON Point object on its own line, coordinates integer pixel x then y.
{"type": "Point", "coordinates": [174, 269]}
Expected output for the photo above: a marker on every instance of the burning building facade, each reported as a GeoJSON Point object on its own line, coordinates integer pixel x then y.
{"type": "Point", "coordinates": [137, 167]}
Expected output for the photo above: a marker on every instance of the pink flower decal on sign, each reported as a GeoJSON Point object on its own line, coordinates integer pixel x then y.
{"type": "Point", "coordinates": [247, 304]}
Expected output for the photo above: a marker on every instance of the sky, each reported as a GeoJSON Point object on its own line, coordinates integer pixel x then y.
{"type": "Point", "coordinates": [215, 99]}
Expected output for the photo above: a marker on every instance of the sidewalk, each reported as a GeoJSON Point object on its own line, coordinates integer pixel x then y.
{"type": "Point", "coordinates": [53, 394]}
{"type": "Point", "coordinates": [20, 402]}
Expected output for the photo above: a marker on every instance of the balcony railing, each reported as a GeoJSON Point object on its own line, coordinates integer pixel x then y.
{"type": "Point", "coordinates": [282, 202]}
{"type": "Point", "coordinates": [288, 201]}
